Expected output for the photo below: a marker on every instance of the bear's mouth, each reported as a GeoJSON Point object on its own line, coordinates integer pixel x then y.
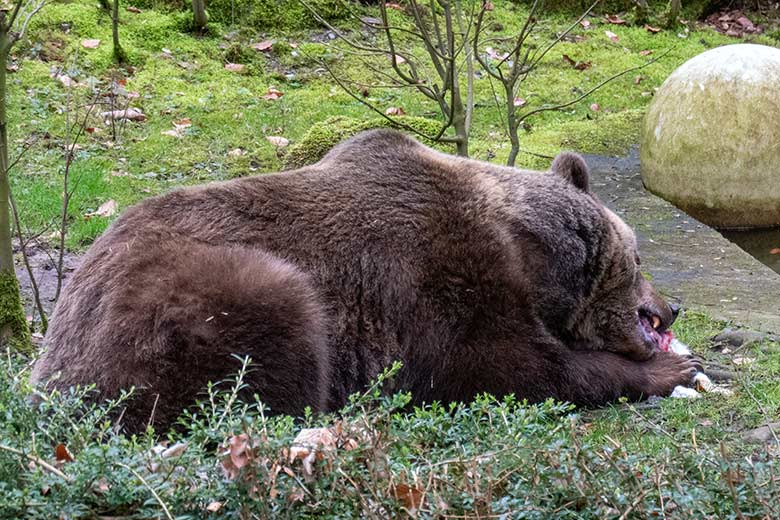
{"type": "Point", "coordinates": [653, 330]}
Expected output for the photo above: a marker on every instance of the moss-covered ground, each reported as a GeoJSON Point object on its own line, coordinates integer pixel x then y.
{"type": "Point", "coordinates": [206, 123]}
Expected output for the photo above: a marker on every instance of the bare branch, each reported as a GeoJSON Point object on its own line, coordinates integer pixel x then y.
{"type": "Point", "coordinates": [20, 34]}
{"type": "Point", "coordinates": [592, 90]}
{"type": "Point", "coordinates": [26, 260]}
{"type": "Point", "coordinates": [395, 122]}
{"type": "Point", "coordinates": [535, 60]}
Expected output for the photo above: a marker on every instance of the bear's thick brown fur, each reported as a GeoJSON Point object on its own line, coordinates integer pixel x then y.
{"type": "Point", "coordinates": [479, 278]}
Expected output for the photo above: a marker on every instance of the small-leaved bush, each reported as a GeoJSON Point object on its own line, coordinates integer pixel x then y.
{"type": "Point", "coordinates": [379, 457]}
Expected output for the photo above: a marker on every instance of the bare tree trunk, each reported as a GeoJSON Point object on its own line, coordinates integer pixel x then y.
{"type": "Point", "coordinates": [119, 53]}
{"type": "Point", "coordinates": [13, 325]}
{"type": "Point", "coordinates": [674, 13]}
{"type": "Point", "coordinates": [199, 12]}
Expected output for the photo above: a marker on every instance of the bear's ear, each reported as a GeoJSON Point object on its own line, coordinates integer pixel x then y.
{"type": "Point", "coordinates": [572, 167]}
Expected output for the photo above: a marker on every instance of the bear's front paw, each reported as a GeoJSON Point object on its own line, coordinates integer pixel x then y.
{"type": "Point", "coordinates": [666, 370]}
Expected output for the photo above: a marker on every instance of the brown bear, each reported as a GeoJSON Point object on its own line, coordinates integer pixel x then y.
{"type": "Point", "coordinates": [479, 278]}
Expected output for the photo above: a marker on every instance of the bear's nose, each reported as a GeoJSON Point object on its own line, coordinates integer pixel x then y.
{"type": "Point", "coordinates": [675, 311]}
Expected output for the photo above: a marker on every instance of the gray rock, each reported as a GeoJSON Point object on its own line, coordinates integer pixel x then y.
{"type": "Point", "coordinates": [763, 433]}
{"type": "Point", "coordinates": [709, 143]}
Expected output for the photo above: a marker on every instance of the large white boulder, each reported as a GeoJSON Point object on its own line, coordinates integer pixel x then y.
{"type": "Point", "coordinates": [711, 137]}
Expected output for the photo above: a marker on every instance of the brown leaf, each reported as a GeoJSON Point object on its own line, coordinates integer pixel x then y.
{"type": "Point", "coordinates": [132, 9]}
{"type": "Point", "coordinates": [638, 80]}
{"type": "Point", "coordinates": [395, 111]}
{"type": "Point", "coordinates": [410, 497]}
{"type": "Point", "coordinates": [578, 65]}
{"type": "Point", "coordinates": [518, 101]}
{"type": "Point", "coordinates": [595, 107]}
{"type": "Point", "coordinates": [239, 455]}
{"type": "Point", "coordinates": [651, 29]}
{"type": "Point", "coordinates": [235, 67]}
{"type": "Point", "coordinates": [90, 44]}
{"type": "Point", "coordinates": [12, 67]}
{"type": "Point", "coordinates": [296, 495]}
{"type": "Point", "coordinates": [272, 94]}
{"type": "Point", "coordinates": [62, 454]}
{"type": "Point", "coordinates": [393, 5]}
{"type": "Point", "coordinates": [399, 59]}
{"type": "Point", "coordinates": [263, 46]}
{"type": "Point", "coordinates": [614, 19]}
{"type": "Point", "coordinates": [612, 36]}
{"type": "Point", "coordinates": [646, 52]}
{"type": "Point", "coordinates": [488, 6]}
{"type": "Point", "coordinates": [107, 209]}
{"type": "Point", "coordinates": [213, 507]}
{"type": "Point", "coordinates": [774, 251]}
{"type": "Point", "coordinates": [278, 141]}
{"type": "Point", "coordinates": [237, 152]}
{"type": "Point", "coordinates": [585, 23]}
{"type": "Point", "coordinates": [183, 123]}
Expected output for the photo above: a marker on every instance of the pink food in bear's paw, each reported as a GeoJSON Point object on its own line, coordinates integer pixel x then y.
{"type": "Point", "coordinates": [666, 340]}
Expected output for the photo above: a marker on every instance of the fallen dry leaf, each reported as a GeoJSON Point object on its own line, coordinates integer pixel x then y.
{"type": "Point", "coordinates": [62, 454]}
{"type": "Point", "coordinates": [638, 80]}
{"type": "Point", "coordinates": [578, 65]}
{"type": "Point", "coordinates": [308, 447]}
{"type": "Point", "coordinates": [277, 140]}
{"type": "Point", "coordinates": [132, 9]}
{"type": "Point", "coordinates": [371, 21]}
{"type": "Point", "coordinates": [743, 360]}
{"type": "Point", "coordinates": [585, 23]}
{"type": "Point", "coordinates": [272, 94]}
{"type": "Point", "coordinates": [774, 251]}
{"type": "Point", "coordinates": [646, 52]}
{"type": "Point", "coordinates": [237, 152]}
{"type": "Point", "coordinates": [612, 36]}
{"type": "Point", "coordinates": [296, 495]}
{"type": "Point", "coordinates": [399, 59]}
{"type": "Point", "coordinates": [12, 67]}
{"type": "Point", "coordinates": [235, 67]}
{"type": "Point", "coordinates": [90, 44]}
{"type": "Point", "coordinates": [614, 19]}
{"type": "Point", "coordinates": [237, 454]}
{"type": "Point", "coordinates": [263, 46]}
{"type": "Point", "coordinates": [488, 6]}
{"type": "Point", "coordinates": [184, 122]}
{"type": "Point", "coordinates": [67, 81]}
{"type": "Point", "coordinates": [595, 107]}
{"type": "Point", "coordinates": [107, 209]}
{"type": "Point", "coordinates": [395, 111]}
{"type": "Point", "coordinates": [518, 102]}
{"type": "Point", "coordinates": [651, 29]}
{"type": "Point", "coordinates": [131, 114]}
{"type": "Point", "coordinates": [213, 507]}
{"type": "Point", "coordinates": [410, 497]}
{"type": "Point", "coordinates": [393, 5]}
{"type": "Point", "coordinates": [174, 451]}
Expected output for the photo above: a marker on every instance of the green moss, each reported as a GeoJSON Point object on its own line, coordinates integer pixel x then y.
{"type": "Point", "coordinates": [323, 136]}
{"type": "Point", "coordinates": [259, 14]}
{"type": "Point", "coordinates": [13, 325]}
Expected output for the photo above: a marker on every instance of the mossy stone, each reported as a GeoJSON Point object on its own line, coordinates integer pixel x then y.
{"type": "Point", "coordinates": [325, 135]}
{"type": "Point", "coordinates": [710, 137]}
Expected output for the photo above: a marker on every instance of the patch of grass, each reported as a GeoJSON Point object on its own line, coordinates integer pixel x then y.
{"type": "Point", "coordinates": [490, 457]}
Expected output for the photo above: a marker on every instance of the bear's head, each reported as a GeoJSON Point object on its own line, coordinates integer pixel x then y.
{"type": "Point", "coordinates": [622, 313]}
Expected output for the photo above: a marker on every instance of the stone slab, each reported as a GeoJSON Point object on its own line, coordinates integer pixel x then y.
{"type": "Point", "coordinates": [689, 262]}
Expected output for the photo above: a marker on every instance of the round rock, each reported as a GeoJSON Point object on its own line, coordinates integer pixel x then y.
{"type": "Point", "coordinates": [711, 137]}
